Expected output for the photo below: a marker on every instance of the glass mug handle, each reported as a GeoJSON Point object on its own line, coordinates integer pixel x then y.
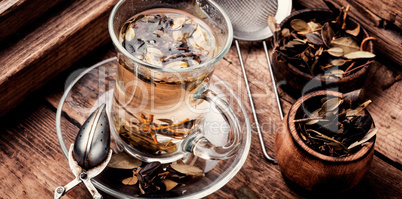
{"type": "Point", "coordinates": [199, 145]}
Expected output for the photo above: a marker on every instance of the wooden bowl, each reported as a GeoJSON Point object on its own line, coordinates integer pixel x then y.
{"type": "Point", "coordinates": [311, 170]}
{"type": "Point", "coordinates": [297, 83]}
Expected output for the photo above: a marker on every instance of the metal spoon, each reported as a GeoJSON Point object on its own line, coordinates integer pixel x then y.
{"type": "Point", "coordinates": [90, 153]}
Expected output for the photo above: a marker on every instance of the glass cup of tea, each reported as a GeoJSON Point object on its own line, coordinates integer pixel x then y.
{"type": "Point", "coordinates": [167, 52]}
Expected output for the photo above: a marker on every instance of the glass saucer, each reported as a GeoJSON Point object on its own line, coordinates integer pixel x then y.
{"type": "Point", "coordinates": [95, 85]}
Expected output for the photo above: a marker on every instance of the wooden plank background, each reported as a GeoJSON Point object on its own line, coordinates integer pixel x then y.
{"type": "Point", "coordinates": [32, 164]}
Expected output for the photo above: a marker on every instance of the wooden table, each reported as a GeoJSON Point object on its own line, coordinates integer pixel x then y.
{"type": "Point", "coordinates": [32, 164]}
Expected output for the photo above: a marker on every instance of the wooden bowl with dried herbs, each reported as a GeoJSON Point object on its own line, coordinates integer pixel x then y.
{"type": "Point", "coordinates": [328, 143]}
{"type": "Point", "coordinates": [318, 49]}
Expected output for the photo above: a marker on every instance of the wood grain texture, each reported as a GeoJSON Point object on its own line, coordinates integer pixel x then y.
{"type": "Point", "coordinates": [14, 14]}
{"type": "Point", "coordinates": [32, 164]}
{"type": "Point", "coordinates": [373, 16]}
{"type": "Point", "coordinates": [53, 47]}
{"type": "Point", "coordinates": [384, 88]}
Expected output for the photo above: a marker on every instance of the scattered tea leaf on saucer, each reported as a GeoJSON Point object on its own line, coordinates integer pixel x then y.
{"type": "Point", "coordinates": [355, 31]}
{"type": "Point", "coordinates": [187, 169]}
{"type": "Point", "coordinates": [335, 51]}
{"type": "Point", "coordinates": [130, 180]}
{"type": "Point", "coordinates": [170, 184]}
{"type": "Point", "coordinates": [348, 44]}
{"type": "Point", "coordinates": [123, 161]}
{"type": "Point", "coordinates": [371, 133]}
{"type": "Point", "coordinates": [359, 55]}
{"type": "Point", "coordinates": [299, 25]}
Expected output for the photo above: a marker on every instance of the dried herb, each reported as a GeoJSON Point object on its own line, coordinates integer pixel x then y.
{"type": "Point", "coordinates": [339, 127]}
{"type": "Point", "coordinates": [316, 47]}
{"type": "Point", "coordinates": [156, 178]}
{"type": "Point", "coordinates": [168, 40]}
{"type": "Point", "coordinates": [144, 133]}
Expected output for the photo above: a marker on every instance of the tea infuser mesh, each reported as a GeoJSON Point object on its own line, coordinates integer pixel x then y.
{"type": "Point", "coordinates": [249, 20]}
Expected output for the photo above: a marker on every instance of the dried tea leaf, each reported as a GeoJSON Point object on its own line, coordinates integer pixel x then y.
{"type": "Point", "coordinates": [327, 34]}
{"type": "Point", "coordinates": [178, 22]}
{"type": "Point", "coordinates": [335, 51]}
{"type": "Point", "coordinates": [355, 31]}
{"type": "Point", "coordinates": [299, 25]}
{"type": "Point", "coordinates": [130, 180]}
{"type": "Point", "coordinates": [314, 38]}
{"type": "Point", "coordinates": [314, 114]}
{"type": "Point", "coordinates": [187, 169]}
{"type": "Point", "coordinates": [359, 55]}
{"type": "Point", "coordinates": [130, 34]}
{"type": "Point", "coordinates": [177, 65]}
{"type": "Point", "coordinates": [352, 97]}
{"type": "Point", "coordinates": [339, 62]}
{"type": "Point", "coordinates": [355, 111]}
{"type": "Point", "coordinates": [371, 133]}
{"type": "Point", "coordinates": [336, 145]}
{"type": "Point", "coordinates": [336, 72]}
{"type": "Point", "coordinates": [346, 43]}
{"type": "Point", "coordinates": [123, 161]}
{"type": "Point", "coordinates": [323, 136]}
{"type": "Point", "coordinates": [293, 43]}
{"type": "Point", "coordinates": [314, 26]}
{"type": "Point", "coordinates": [285, 32]}
{"type": "Point", "coordinates": [331, 104]}
{"type": "Point", "coordinates": [170, 184]}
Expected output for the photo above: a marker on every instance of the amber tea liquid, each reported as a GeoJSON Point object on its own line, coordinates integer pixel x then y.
{"type": "Point", "coordinates": [155, 110]}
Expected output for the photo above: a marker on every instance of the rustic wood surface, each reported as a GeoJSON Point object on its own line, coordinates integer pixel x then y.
{"type": "Point", "coordinates": [51, 48]}
{"type": "Point", "coordinates": [15, 14]}
{"type": "Point", "coordinates": [32, 164]}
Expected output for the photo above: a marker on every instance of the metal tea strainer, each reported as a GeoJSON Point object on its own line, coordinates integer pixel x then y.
{"type": "Point", "coordinates": [249, 20]}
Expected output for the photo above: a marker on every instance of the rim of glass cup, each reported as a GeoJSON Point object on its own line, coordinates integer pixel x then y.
{"type": "Point", "coordinates": [201, 193]}
{"type": "Point", "coordinates": [214, 60]}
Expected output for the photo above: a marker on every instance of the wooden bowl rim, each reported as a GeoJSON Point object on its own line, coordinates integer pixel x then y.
{"type": "Point", "coordinates": [292, 129]}
{"type": "Point", "coordinates": [348, 78]}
